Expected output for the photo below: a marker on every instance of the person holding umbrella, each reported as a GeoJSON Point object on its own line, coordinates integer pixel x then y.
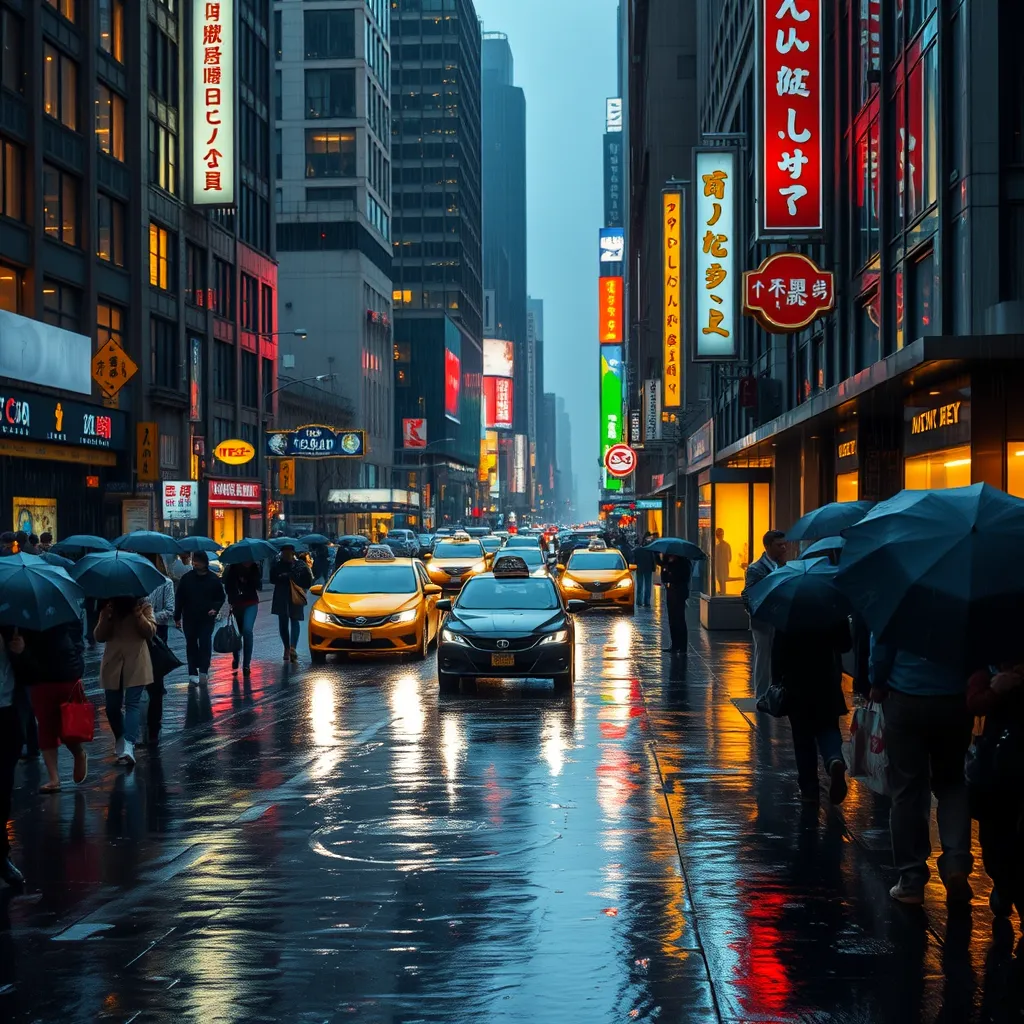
{"type": "Point", "coordinates": [677, 557]}
{"type": "Point", "coordinates": [774, 556]}
{"type": "Point", "coordinates": [242, 582]}
{"type": "Point", "coordinates": [645, 562]}
{"type": "Point", "coordinates": [197, 604]}
{"type": "Point", "coordinates": [291, 579]}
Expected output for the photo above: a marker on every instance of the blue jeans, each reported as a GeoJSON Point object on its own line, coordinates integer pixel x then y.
{"type": "Point", "coordinates": [126, 725]}
{"type": "Point", "coordinates": [644, 586]}
{"type": "Point", "coordinates": [829, 743]}
{"type": "Point", "coordinates": [290, 629]}
{"type": "Point", "coordinates": [246, 620]}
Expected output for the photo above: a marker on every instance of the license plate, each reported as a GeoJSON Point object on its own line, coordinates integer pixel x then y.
{"type": "Point", "coordinates": [600, 597]}
{"type": "Point", "coordinates": [502, 660]}
{"type": "Point", "coordinates": [361, 636]}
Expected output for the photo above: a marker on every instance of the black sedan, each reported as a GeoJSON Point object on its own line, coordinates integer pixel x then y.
{"type": "Point", "coordinates": [507, 624]}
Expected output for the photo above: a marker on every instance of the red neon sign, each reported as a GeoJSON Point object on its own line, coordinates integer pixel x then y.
{"type": "Point", "coordinates": [610, 312]}
{"type": "Point", "coordinates": [787, 292]}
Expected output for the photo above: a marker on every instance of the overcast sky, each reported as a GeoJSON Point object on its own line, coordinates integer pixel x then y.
{"type": "Point", "coordinates": [565, 62]}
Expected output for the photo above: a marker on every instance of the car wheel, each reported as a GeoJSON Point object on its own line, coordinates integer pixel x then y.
{"type": "Point", "coordinates": [563, 681]}
{"type": "Point", "coordinates": [318, 657]}
{"type": "Point", "coordinates": [424, 647]}
{"type": "Point", "coordinates": [447, 683]}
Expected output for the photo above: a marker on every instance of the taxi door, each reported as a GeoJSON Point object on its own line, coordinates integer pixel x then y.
{"type": "Point", "coordinates": [431, 615]}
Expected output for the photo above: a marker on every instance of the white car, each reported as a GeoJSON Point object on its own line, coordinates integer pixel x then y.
{"type": "Point", "coordinates": [404, 543]}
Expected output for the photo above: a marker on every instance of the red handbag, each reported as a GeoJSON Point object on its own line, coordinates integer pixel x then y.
{"type": "Point", "coordinates": [77, 718]}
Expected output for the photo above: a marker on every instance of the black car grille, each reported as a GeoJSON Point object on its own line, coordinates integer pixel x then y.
{"type": "Point", "coordinates": [360, 623]}
{"type": "Point", "coordinates": [598, 588]}
{"type": "Point", "coordinates": [460, 570]}
{"type": "Point", "coordinates": [523, 643]}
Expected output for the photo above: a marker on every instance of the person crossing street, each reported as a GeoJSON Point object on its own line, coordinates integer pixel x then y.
{"type": "Point", "coordinates": [197, 603]}
{"type": "Point", "coordinates": [291, 578]}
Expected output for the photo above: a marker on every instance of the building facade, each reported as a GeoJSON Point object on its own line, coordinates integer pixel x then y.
{"type": "Point", "coordinates": [116, 229]}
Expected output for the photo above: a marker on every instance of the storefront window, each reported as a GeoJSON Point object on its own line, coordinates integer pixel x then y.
{"type": "Point", "coordinates": [704, 534]}
{"type": "Point", "coordinates": [950, 467]}
{"type": "Point", "coordinates": [847, 486]}
{"type": "Point", "coordinates": [732, 537]}
{"type": "Point", "coordinates": [1015, 468]}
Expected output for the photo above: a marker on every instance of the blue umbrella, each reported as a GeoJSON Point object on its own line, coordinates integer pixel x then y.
{"type": "Point", "coordinates": [82, 542]}
{"type": "Point", "coordinates": [23, 558]}
{"type": "Point", "coordinates": [148, 542]}
{"type": "Point", "coordinates": [315, 539]}
{"type": "Point", "coordinates": [799, 595]}
{"type": "Point", "coordinates": [280, 543]}
{"type": "Point", "coordinates": [937, 574]}
{"type": "Point", "coordinates": [34, 595]}
{"type": "Point", "coordinates": [251, 550]}
{"type": "Point", "coordinates": [117, 574]}
{"type": "Point", "coordinates": [825, 546]}
{"type": "Point", "coordinates": [675, 546]}
{"type": "Point", "coordinates": [59, 560]}
{"type": "Point", "coordinates": [198, 544]}
{"type": "Point", "coordinates": [828, 520]}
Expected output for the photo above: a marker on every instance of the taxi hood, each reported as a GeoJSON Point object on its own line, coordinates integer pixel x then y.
{"type": "Point", "coordinates": [367, 604]}
{"type": "Point", "coordinates": [506, 622]}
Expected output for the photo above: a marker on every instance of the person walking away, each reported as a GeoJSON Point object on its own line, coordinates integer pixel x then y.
{"type": "Point", "coordinates": [7, 542]}
{"type": "Point", "coordinates": [25, 545]}
{"type": "Point", "coordinates": [242, 583]}
{"type": "Point", "coordinates": [10, 748]}
{"type": "Point", "coordinates": [162, 601]}
{"type": "Point", "coordinates": [198, 601]}
{"type": "Point", "coordinates": [50, 663]}
{"type": "Point", "coordinates": [321, 562]}
{"type": "Point", "coordinates": [675, 578]}
{"type": "Point", "coordinates": [774, 555]}
{"type": "Point", "coordinates": [45, 541]}
{"type": "Point", "coordinates": [644, 561]}
{"type": "Point", "coordinates": [808, 665]}
{"type": "Point", "coordinates": [291, 578]}
{"type": "Point", "coordinates": [182, 564]}
{"type": "Point", "coordinates": [125, 626]}
{"type": "Point", "coordinates": [998, 695]}
{"type": "Point", "coordinates": [927, 732]}
{"type": "Point", "coordinates": [723, 559]}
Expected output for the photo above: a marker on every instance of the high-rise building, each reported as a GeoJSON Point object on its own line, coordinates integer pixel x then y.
{"type": "Point", "coordinates": [436, 236]}
{"type": "Point", "coordinates": [332, 98]}
{"type": "Point", "coordinates": [137, 214]}
{"type": "Point", "coordinates": [565, 483]}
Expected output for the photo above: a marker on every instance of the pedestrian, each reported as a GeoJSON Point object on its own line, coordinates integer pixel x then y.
{"type": "Point", "coordinates": [675, 578]}
{"type": "Point", "coordinates": [321, 562]}
{"type": "Point", "coordinates": [291, 578]}
{"type": "Point", "coordinates": [774, 555]}
{"type": "Point", "coordinates": [25, 545]}
{"type": "Point", "coordinates": [807, 663]}
{"type": "Point", "coordinates": [197, 604]}
{"type": "Point", "coordinates": [998, 695]}
{"type": "Point", "coordinates": [10, 748]}
{"type": "Point", "coordinates": [927, 732]}
{"type": "Point", "coordinates": [645, 561]}
{"type": "Point", "coordinates": [242, 583]}
{"type": "Point", "coordinates": [50, 663]}
{"type": "Point", "coordinates": [162, 602]}
{"type": "Point", "coordinates": [723, 560]}
{"type": "Point", "coordinates": [7, 543]}
{"type": "Point", "coordinates": [622, 546]}
{"type": "Point", "coordinates": [45, 541]}
{"type": "Point", "coordinates": [126, 625]}
{"type": "Point", "coordinates": [182, 564]}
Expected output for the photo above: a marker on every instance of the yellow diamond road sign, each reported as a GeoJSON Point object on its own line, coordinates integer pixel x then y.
{"type": "Point", "coordinates": [112, 368]}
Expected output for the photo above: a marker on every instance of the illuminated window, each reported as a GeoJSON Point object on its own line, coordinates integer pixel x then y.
{"type": "Point", "coordinates": [1014, 458]}
{"type": "Point", "coordinates": [847, 485]}
{"type": "Point", "coordinates": [401, 297]}
{"type": "Point", "coordinates": [60, 86]}
{"type": "Point", "coordinates": [111, 28]}
{"type": "Point", "coordinates": [66, 7]}
{"type": "Point", "coordinates": [110, 122]}
{"type": "Point", "coordinates": [109, 230]}
{"type": "Point", "coordinates": [950, 467]}
{"type": "Point", "coordinates": [161, 258]}
{"type": "Point", "coordinates": [330, 154]}
{"type": "Point", "coordinates": [12, 171]}
{"type": "Point", "coordinates": [163, 157]}
{"type": "Point", "coordinates": [60, 206]}
{"type": "Point", "coordinates": [10, 289]}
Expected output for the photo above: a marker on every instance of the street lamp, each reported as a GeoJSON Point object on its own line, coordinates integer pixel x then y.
{"type": "Point", "coordinates": [320, 377]}
{"type": "Point", "coordinates": [299, 332]}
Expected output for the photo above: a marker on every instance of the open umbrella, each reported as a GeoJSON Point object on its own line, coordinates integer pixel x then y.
{"type": "Point", "coordinates": [34, 595]}
{"type": "Point", "coordinates": [148, 542]}
{"type": "Point", "coordinates": [280, 543]}
{"type": "Point", "coordinates": [22, 558]}
{"type": "Point", "coordinates": [59, 560]}
{"type": "Point", "coordinates": [117, 574]}
{"type": "Point", "coordinates": [825, 546]}
{"type": "Point", "coordinates": [799, 595]}
{"type": "Point", "coordinates": [82, 542]}
{"type": "Point", "coordinates": [828, 520]}
{"type": "Point", "coordinates": [675, 546]}
{"type": "Point", "coordinates": [937, 573]}
{"type": "Point", "coordinates": [198, 544]}
{"type": "Point", "coordinates": [252, 550]}
{"type": "Point", "coordinates": [315, 539]}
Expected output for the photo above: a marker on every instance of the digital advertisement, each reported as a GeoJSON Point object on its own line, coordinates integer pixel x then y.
{"type": "Point", "coordinates": [611, 405]}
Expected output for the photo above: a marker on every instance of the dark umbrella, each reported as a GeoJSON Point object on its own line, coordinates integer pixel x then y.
{"type": "Point", "coordinates": [197, 544]}
{"type": "Point", "coordinates": [252, 550]}
{"type": "Point", "coordinates": [675, 546]}
{"type": "Point", "coordinates": [825, 546]}
{"type": "Point", "coordinates": [313, 539]}
{"type": "Point", "coordinates": [148, 542]}
{"type": "Point", "coordinates": [279, 543]}
{"type": "Point", "coordinates": [59, 560]}
{"type": "Point", "coordinates": [937, 573]}
{"type": "Point", "coordinates": [117, 574]}
{"type": "Point", "coordinates": [82, 542]}
{"type": "Point", "coordinates": [828, 520]}
{"type": "Point", "coordinates": [34, 595]}
{"type": "Point", "coordinates": [799, 595]}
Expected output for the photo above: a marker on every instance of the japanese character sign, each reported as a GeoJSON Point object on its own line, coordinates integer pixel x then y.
{"type": "Point", "coordinates": [610, 310]}
{"type": "Point", "coordinates": [787, 292]}
{"type": "Point", "coordinates": [791, 200]}
{"type": "Point", "coordinates": [180, 499]}
{"type": "Point", "coordinates": [672, 288]}
{"type": "Point", "coordinates": [112, 368]}
{"type": "Point", "coordinates": [715, 275]}
{"type": "Point", "coordinates": [147, 467]}
{"type": "Point", "coordinates": [213, 103]}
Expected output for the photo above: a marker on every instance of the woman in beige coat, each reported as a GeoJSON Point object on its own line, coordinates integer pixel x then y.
{"type": "Point", "coordinates": [125, 625]}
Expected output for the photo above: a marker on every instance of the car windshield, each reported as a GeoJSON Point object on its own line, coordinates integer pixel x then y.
{"type": "Point", "coordinates": [373, 579]}
{"type": "Point", "coordinates": [589, 561]}
{"type": "Point", "coordinates": [468, 549]}
{"type": "Point", "coordinates": [484, 593]}
{"type": "Point", "coordinates": [533, 557]}
{"type": "Point", "coordinates": [522, 542]}
{"type": "Point", "coordinates": [490, 543]}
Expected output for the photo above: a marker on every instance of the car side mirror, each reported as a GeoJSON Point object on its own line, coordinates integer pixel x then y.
{"type": "Point", "coordinates": [427, 557]}
{"type": "Point", "coordinates": [445, 604]}
{"type": "Point", "coordinates": [575, 607]}
{"type": "Point", "coordinates": [318, 589]}
{"type": "Point", "coordinates": [430, 589]}
{"type": "Point", "coordinates": [632, 568]}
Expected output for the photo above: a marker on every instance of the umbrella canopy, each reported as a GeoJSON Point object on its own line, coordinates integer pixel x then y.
{"type": "Point", "coordinates": [197, 544]}
{"type": "Point", "coordinates": [82, 542]}
{"type": "Point", "coordinates": [148, 542]}
{"type": "Point", "coordinates": [936, 573]}
{"type": "Point", "coordinates": [799, 595]}
{"type": "Point", "coordinates": [315, 539]}
{"type": "Point", "coordinates": [828, 520]}
{"type": "Point", "coordinates": [675, 546]}
{"type": "Point", "coordinates": [287, 542]}
{"type": "Point", "coordinates": [23, 558]}
{"type": "Point", "coordinates": [117, 574]}
{"type": "Point", "coordinates": [59, 560]}
{"type": "Point", "coordinates": [825, 546]}
{"type": "Point", "coordinates": [252, 550]}
{"type": "Point", "coordinates": [34, 595]}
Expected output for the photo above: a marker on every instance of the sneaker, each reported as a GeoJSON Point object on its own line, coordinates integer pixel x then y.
{"type": "Point", "coordinates": [837, 787]}
{"type": "Point", "coordinates": [904, 892]}
{"type": "Point", "coordinates": [128, 757]}
{"type": "Point", "coordinates": [287, 654]}
{"type": "Point", "coordinates": [958, 889]}
{"type": "Point", "coordinates": [119, 748]}
{"type": "Point", "coordinates": [293, 656]}
{"type": "Point", "coordinates": [204, 678]}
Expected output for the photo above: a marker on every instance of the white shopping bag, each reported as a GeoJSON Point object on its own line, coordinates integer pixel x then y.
{"type": "Point", "coordinates": [865, 750]}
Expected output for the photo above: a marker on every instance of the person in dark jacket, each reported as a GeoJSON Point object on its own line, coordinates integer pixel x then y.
{"type": "Point", "coordinates": [51, 663]}
{"type": "Point", "coordinates": [197, 603]}
{"type": "Point", "coordinates": [283, 573]}
{"type": "Point", "coordinates": [675, 578]}
{"type": "Point", "coordinates": [321, 562]}
{"type": "Point", "coordinates": [242, 583]}
{"type": "Point", "coordinates": [349, 548]}
{"type": "Point", "coordinates": [808, 666]}
{"type": "Point", "coordinates": [25, 545]}
{"type": "Point", "coordinates": [645, 562]}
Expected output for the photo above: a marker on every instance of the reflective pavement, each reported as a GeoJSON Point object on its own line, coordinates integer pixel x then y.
{"type": "Point", "coordinates": [338, 844]}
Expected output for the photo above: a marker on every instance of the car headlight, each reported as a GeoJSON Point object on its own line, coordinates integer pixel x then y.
{"type": "Point", "coordinates": [559, 637]}
{"type": "Point", "coordinates": [319, 616]}
{"type": "Point", "coordinates": [448, 637]}
{"type": "Point", "coordinates": [408, 616]}
{"type": "Point", "coordinates": [623, 583]}
{"type": "Point", "coordinates": [570, 584]}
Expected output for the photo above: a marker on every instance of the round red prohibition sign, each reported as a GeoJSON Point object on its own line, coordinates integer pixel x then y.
{"type": "Point", "coordinates": [620, 460]}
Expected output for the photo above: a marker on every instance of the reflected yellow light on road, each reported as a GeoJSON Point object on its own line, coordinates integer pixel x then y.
{"type": "Point", "coordinates": [321, 713]}
{"type": "Point", "coordinates": [621, 642]}
{"type": "Point", "coordinates": [453, 745]}
{"type": "Point", "coordinates": [406, 704]}
{"type": "Point", "coordinates": [553, 742]}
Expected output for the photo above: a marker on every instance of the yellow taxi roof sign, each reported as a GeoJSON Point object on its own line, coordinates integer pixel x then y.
{"type": "Point", "coordinates": [379, 553]}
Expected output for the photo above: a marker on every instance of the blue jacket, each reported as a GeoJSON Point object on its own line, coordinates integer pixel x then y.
{"type": "Point", "coordinates": [890, 668]}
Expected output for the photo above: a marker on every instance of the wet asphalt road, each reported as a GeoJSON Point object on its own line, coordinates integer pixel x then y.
{"type": "Point", "coordinates": [339, 844]}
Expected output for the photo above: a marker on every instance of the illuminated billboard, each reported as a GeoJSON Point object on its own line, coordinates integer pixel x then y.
{"type": "Point", "coordinates": [213, 103]}
{"type": "Point", "coordinates": [611, 405]}
{"type": "Point", "coordinates": [452, 384]}
{"type": "Point", "coordinates": [499, 358]}
{"type": "Point", "coordinates": [610, 310]}
{"type": "Point", "coordinates": [612, 245]}
{"type": "Point", "coordinates": [672, 289]}
{"type": "Point", "coordinates": [498, 403]}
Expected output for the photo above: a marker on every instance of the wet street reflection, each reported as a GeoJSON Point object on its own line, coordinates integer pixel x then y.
{"type": "Point", "coordinates": [343, 843]}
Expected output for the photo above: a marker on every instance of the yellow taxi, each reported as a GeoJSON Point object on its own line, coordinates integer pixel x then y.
{"type": "Point", "coordinates": [378, 604]}
{"type": "Point", "coordinates": [454, 560]}
{"type": "Point", "coordinates": [600, 576]}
